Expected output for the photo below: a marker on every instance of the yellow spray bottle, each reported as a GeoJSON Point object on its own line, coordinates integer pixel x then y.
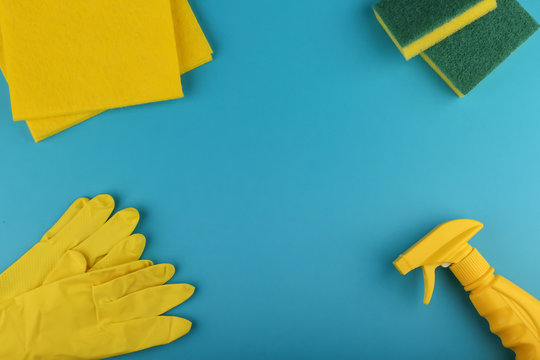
{"type": "Point", "coordinates": [512, 313]}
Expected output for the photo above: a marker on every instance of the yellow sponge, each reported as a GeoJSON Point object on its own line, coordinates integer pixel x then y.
{"type": "Point", "coordinates": [416, 25]}
{"type": "Point", "coordinates": [466, 58]}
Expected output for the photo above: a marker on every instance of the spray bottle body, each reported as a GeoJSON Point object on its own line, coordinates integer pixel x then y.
{"type": "Point", "coordinates": [512, 313]}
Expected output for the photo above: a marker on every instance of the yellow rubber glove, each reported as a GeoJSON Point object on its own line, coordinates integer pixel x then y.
{"type": "Point", "coordinates": [83, 231]}
{"type": "Point", "coordinates": [94, 315]}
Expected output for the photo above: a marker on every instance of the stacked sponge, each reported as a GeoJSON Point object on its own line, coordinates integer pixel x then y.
{"type": "Point", "coordinates": [462, 40]}
{"type": "Point", "coordinates": [66, 61]}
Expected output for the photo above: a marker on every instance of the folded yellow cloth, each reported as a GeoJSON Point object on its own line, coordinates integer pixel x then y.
{"type": "Point", "coordinates": [193, 50]}
{"type": "Point", "coordinates": [70, 56]}
{"type": "Point", "coordinates": [192, 45]}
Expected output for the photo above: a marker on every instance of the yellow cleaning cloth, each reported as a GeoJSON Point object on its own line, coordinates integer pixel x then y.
{"type": "Point", "coordinates": [70, 56]}
{"type": "Point", "coordinates": [193, 48]}
{"type": "Point", "coordinates": [193, 51]}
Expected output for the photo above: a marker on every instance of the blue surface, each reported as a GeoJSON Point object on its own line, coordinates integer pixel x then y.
{"type": "Point", "coordinates": [301, 162]}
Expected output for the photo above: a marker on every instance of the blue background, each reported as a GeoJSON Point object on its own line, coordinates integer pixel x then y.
{"type": "Point", "coordinates": [301, 162]}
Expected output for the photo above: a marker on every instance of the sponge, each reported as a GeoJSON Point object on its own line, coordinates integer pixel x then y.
{"type": "Point", "coordinates": [416, 25]}
{"type": "Point", "coordinates": [464, 59]}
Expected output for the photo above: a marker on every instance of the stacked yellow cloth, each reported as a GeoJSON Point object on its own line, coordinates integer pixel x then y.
{"type": "Point", "coordinates": [68, 60]}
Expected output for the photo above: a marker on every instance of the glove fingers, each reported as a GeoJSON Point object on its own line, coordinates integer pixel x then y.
{"type": "Point", "coordinates": [145, 333]}
{"type": "Point", "coordinates": [116, 229]}
{"type": "Point", "coordinates": [148, 302]}
{"type": "Point", "coordinates": [67, 217]}
{"type": "Point", "coordinates": [105, 275]}
{"type": "Point", "coordinates": [128, 250]}
{"type": "Point", "coordinates": [135, 281]}
{"type": "Point", "coordinates": [90, 218]}
{"type": "Point", "coordinates": [74, 262]}
{"type": "Point", "coordinates": [70, 264]}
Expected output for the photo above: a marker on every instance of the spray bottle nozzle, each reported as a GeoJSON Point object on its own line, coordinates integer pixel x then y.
{"type": "Point", "coordinates": [447, 243]}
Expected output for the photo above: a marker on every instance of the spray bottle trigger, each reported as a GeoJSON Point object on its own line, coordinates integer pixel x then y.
{"type": "Point", "coordinates": [429, 281]}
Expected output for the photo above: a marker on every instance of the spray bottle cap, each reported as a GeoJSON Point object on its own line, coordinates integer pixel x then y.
{"type": "Point", "coordinates": [444, 245]}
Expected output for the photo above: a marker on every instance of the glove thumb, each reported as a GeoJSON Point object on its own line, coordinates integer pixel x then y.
{"type": "Point", "coordinates": [70, 264]}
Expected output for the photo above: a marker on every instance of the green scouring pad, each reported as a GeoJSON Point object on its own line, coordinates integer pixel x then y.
{"type": "Point", "coordinates": [416, 25]}
{"type": "Point", "coordinates": [464, 59]}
